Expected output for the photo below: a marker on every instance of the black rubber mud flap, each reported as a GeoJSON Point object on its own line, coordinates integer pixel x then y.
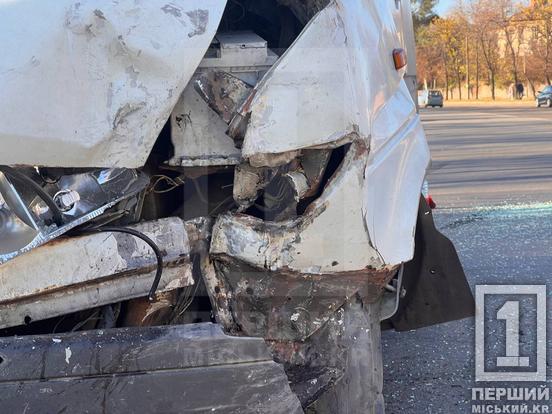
{"type": "Point", "coordinates": [436, 287]}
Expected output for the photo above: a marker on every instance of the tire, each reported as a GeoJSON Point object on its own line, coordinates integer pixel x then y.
{"type": "Point", "coordinates": [537, 103]}
{"type": "Point", "coordinates": [549, 103]}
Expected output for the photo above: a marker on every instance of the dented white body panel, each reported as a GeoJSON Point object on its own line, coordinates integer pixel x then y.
{"type": "Point", "coordinates": [91, 83]}
{"type": "Point", "coordinates": [338, 83]}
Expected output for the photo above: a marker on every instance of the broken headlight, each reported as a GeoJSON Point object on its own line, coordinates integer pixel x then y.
{"type": "Point", "coordinates": [35, 210]}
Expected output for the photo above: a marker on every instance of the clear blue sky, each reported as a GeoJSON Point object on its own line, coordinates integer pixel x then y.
{"type": "Point", "coordinates": [443, 6]}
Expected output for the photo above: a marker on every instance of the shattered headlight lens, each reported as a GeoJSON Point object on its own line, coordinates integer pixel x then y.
{"type": "Point", "coordinates": [27, 219]}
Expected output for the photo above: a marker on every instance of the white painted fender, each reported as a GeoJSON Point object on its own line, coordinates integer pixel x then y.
{"type": "Point", "coordinates": [338, 81]}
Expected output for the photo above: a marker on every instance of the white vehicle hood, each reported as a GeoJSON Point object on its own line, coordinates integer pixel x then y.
{"type": "Point", "coordinates": [91, 83]}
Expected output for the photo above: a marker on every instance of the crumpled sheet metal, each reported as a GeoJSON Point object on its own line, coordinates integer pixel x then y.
{"type": "Point", "coordinates": [287, 305]}
{"type": "Point", "coordinates": [338, 80]}
{"type": "Point", "coordinates": [96, 80]}
{"type": "Point", "coordinates": [306, 98]}
{"type": "Point", "coordinates": [394, 178]}
{"type": "Point", "coordinates": [283, 280]}
{"type": "Point", "coordinates": [72, 274]}
{"type": "Point", "coordinates": [329, 238]}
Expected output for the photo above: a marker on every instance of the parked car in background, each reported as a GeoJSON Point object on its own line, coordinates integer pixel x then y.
{"type": "Point", "coordinates": [429, 98]}
{"type": "Point", "coordinates": [544, 97]}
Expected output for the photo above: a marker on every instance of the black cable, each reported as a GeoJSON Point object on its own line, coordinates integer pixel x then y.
{"type": "Point", "coordinates": [47, 198]}
{"type": "Point", "coordinates": [58, 218]}
{"type": "Point", "coordinates": [147, 240]}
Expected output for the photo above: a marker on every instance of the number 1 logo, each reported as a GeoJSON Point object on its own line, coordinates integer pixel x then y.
{"type": "Point", "coordinates": [511, 313]}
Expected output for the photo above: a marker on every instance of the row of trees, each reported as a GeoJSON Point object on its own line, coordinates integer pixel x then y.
{"type": "Point", "coordinates": [484, 42]}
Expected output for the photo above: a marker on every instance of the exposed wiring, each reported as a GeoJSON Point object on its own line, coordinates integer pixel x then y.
{"type": "Point", "coordinates": [172, 184]}
{"type": "Point", "coordinates": [147, 240]}
{"type": "Point", "coordinates": [189, 292]}
{"type": "Point", "coordinates": [47, 198]}
{"type": "Point", "coordinates": [190, 299]}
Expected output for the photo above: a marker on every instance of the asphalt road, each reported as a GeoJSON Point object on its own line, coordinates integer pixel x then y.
{"type": "Point", "coordinates": [492, 179]}
{"type": "Point", "coordinates": [489, 155]}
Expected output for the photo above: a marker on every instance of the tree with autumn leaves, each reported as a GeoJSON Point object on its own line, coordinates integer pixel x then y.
{"type": "Point", "coordinates": [486, 43]}
{"type": "Point", "coordinates": [539, 68]}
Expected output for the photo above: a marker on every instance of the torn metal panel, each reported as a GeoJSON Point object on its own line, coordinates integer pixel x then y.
{"type": "Point", "coordinates": [198, 231]}
{"type": "Point", "coordinates": [306, 98]}
{"type": "Point", "coordinates": [234, 63]}
{"type": "Point", "coordinates": [272, 160]}
{"type": "Point", "coordinates": [329, 238]}
{"type": "Point", "coordinates": [98, 78]}
{"type": "Point", "coordinates": [338, 80]}
{"type": "Point", "coordinates": [299, 183]}
{"type": "Point", "coordinates": [248, 181]}
{"type": "Point", "coordinates": [314, 163]}
{"type": "Point", "coordinates": [26, 219]}
{"type": "Point", "coordinates": [283, 280]}
{"type": "Point", "coordinates": [219, 293]}
{"type": "Point", "coordinates": [158, 369]}
{"type": "Point", "coordinates": [78, 273]}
